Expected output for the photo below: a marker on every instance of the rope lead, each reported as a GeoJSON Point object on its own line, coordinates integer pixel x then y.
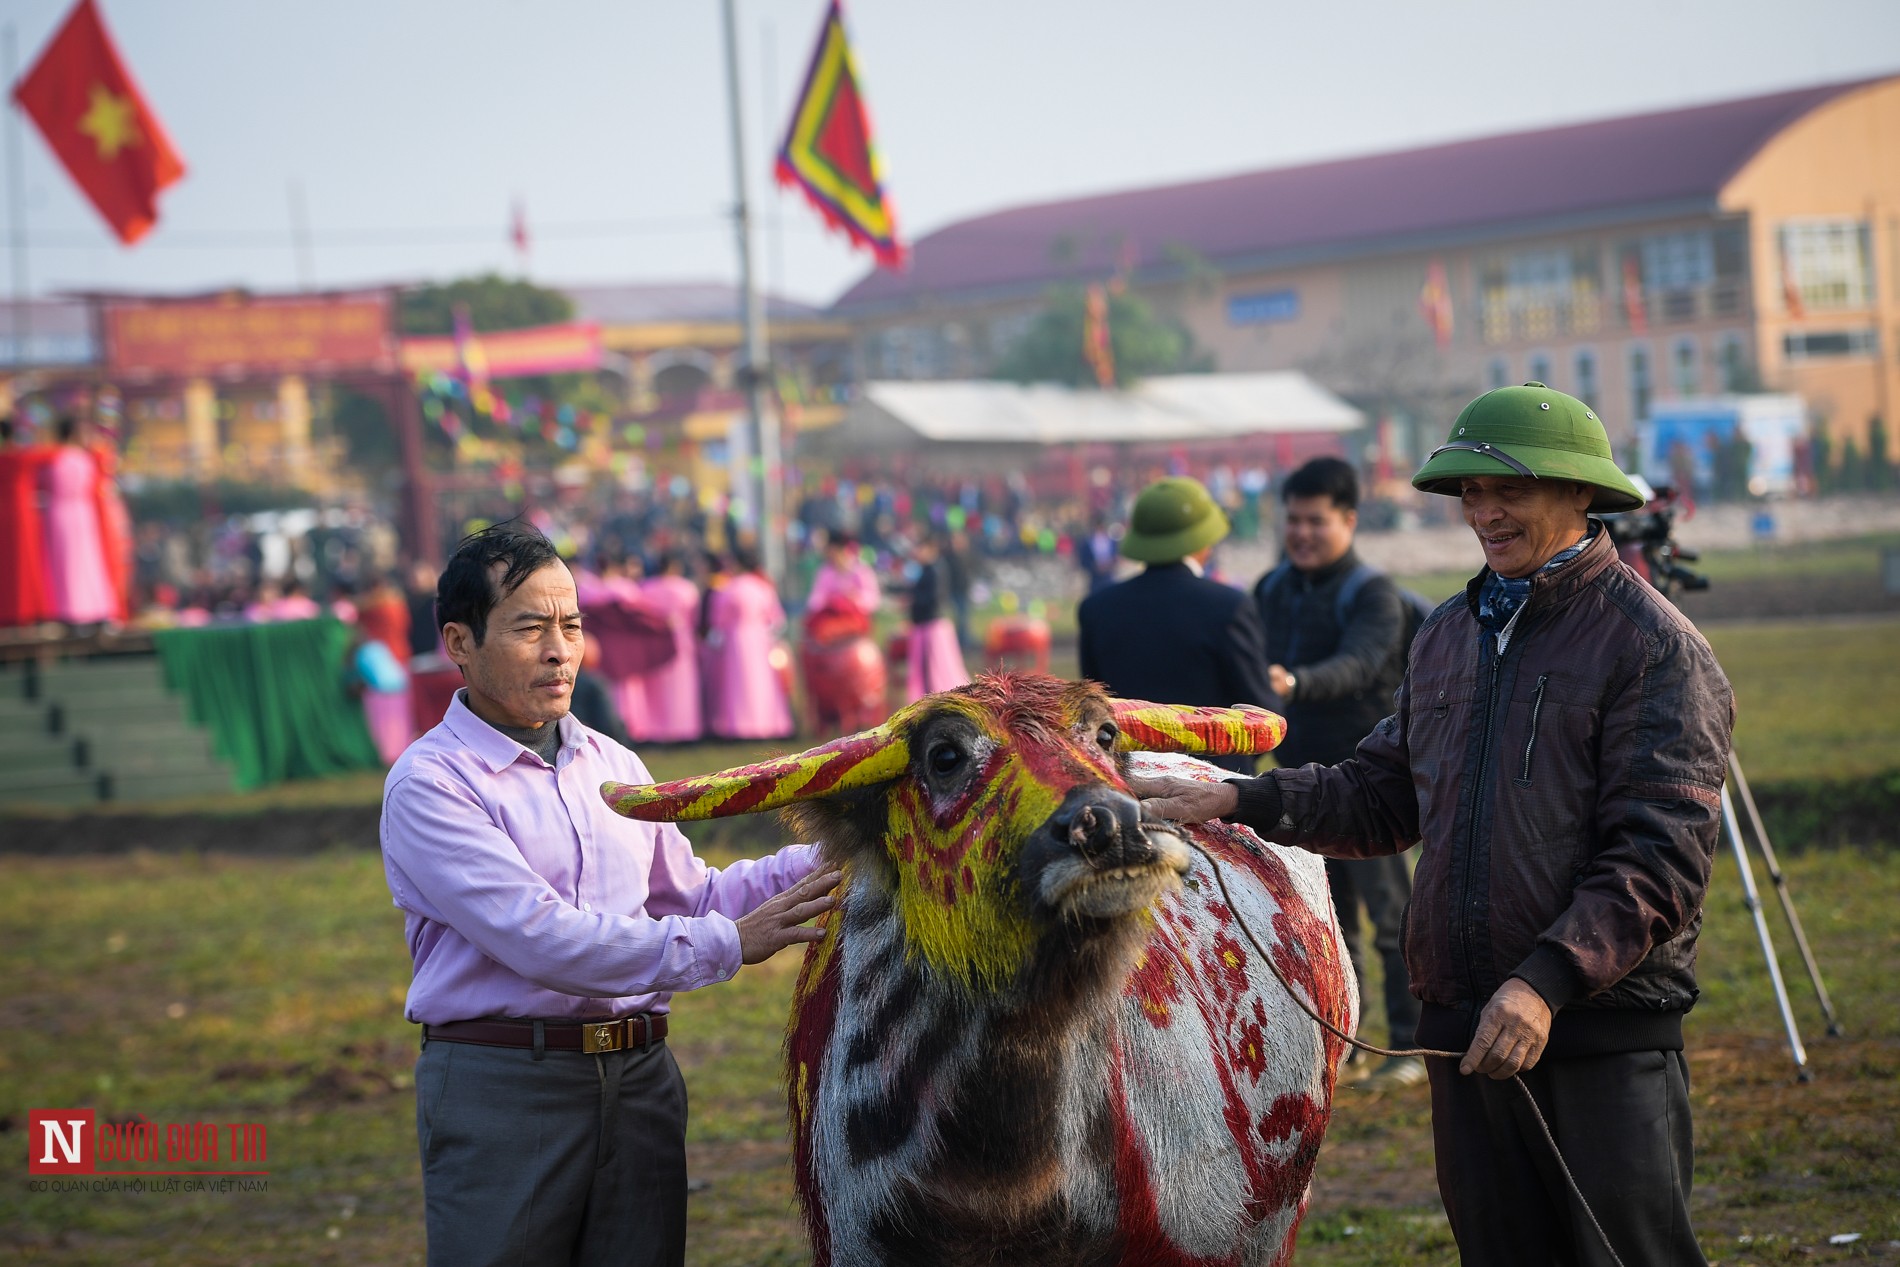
{"type": "Point", "coordinates": [1530, 1100]}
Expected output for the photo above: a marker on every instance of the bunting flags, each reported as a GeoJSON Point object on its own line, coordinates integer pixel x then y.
{"type": "Point", "coordinates": [829, 152]}
{"type": "Point", "coordinates": [1434, 303]}
{"type": "Point", "coordinates": [97, 122]}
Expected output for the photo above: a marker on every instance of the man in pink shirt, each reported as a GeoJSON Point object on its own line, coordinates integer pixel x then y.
{"type": "Point", "coordinates": [548, 936]}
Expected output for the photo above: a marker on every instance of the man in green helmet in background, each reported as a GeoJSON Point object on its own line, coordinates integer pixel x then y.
{"type": "Point", "coordinates": [1558, 750]}
{"type": "Point", "coordinates": [1172, 633]}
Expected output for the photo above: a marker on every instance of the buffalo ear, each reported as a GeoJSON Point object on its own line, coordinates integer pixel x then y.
{"type": "Point", "coordinates": [847, 828]}
{"type": "Point", "coordinates": [855, 761]}
{"type": "Point", "coordinates": [1242, 730]}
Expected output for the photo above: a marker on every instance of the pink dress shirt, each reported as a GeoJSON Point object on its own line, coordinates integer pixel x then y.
{"type": "Point", "coordinates": [524, 895]}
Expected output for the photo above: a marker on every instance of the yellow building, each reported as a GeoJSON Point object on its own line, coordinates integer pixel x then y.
{"type": "Point", "coordinates": [1744, 245]}
{"type": "Point", "coordinates": [678, 340]}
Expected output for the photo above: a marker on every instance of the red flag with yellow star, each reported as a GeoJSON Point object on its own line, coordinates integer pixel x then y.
{"type": "Point", "coordinates": [828, 151]}
{"type": "Point", "coordinates": [93, 115]}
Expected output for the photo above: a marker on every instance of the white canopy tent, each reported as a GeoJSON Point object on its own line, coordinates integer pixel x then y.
{"type": "Point", "coordinates": [909, 416]}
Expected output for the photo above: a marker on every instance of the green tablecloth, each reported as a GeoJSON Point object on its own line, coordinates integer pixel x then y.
{"type": "Point", "coordinates": [275, 697]}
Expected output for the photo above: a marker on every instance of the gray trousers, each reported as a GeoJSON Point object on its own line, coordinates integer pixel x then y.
{"type": "Point", "coordinates": [1385, 886]}
{"type": "Point", "coordinates": [1622, 1125]}
{"type": "Point", "coordinates": [567, 1160]}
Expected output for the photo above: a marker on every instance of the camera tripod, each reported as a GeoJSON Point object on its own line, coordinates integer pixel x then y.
{"type": "Point", "coordinates": [1751, 898]}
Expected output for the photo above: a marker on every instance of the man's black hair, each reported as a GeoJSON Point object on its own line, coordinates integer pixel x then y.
{"type": "Point", "coordinates": [65, 429]}
{"type": "Point", "coordinates": [465, 593]}
{"type": "Point", "coordinates": [1324, 477]}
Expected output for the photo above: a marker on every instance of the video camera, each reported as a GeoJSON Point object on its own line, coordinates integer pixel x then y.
{"type": "Point", "coordinates": [1645, 539]}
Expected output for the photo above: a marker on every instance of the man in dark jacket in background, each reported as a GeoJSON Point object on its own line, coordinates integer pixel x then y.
{"type": "Point", "coordinates": [1336, 643]}
{"type": "Point", "coordinates": [1170, 634]}
{"type": "Point", "coordinates": [1558, 747]}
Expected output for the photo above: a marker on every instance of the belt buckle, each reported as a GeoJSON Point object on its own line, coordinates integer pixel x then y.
{"type": "Point", "coordinates": [600, 1036]}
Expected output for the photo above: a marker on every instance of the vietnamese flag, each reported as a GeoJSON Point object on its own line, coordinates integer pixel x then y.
{"type": "Point", "coordinates": [93, 115]}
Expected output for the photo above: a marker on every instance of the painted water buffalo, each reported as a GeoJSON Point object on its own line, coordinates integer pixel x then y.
{"type": "Point", "coordinates": [1034, 1031]}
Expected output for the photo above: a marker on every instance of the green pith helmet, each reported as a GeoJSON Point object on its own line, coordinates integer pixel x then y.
{"type": "Point", "coordinates": [1529, 431]}
{"type": "Point", "coordinates": [1172, 519]}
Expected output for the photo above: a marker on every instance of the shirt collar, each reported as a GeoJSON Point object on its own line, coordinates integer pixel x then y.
{"type": "Point", "coordinates": [492, 748]}
{"type": "Point", "coordinates": [1338, 567]}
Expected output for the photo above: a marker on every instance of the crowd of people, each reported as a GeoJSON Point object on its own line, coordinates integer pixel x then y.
{"type": "Point", "coordinates": [685, 643]}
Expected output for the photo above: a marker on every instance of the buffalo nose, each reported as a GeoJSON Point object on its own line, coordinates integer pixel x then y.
{"type": "Point", "coordinates": [1104, 825]}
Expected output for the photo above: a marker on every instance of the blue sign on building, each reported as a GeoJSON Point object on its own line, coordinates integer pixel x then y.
{"type": "Point", "coordinates": [1263, 307]}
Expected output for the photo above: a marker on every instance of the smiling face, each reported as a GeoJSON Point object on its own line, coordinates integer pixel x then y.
{"type": "Point", "coordinates": [1318, 531]}
{"type": "Point", "coordinates": [1523, 523]}
{"type": "Point", "coordinates": [521, 672]}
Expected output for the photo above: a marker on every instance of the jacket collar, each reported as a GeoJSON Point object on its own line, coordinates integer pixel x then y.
{"type": "Point", "coordinates": [1338, 567]}
{"type": "Point", "coordinates": [492, 748]}
{"type": "Point", "coordinates": [1549, 589]}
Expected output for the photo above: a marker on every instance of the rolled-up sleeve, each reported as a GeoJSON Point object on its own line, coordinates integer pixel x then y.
{"type": "Point", "coordinates": [450, 863]}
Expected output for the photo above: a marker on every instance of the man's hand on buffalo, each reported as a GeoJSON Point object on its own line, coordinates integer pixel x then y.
{"type": "Point", "coordinates": [779, 922]}
{"type": "Point", "coordinates": [1512, 1032]}
{"type": "Point", "coordinates": [1183, 800]}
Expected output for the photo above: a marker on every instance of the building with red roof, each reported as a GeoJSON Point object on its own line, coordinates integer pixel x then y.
{"type": "Point", "coordinates": [1743, 245]}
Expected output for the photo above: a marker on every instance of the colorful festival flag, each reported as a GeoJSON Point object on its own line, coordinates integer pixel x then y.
{"type": "Point", "coordinates": [829, 153]}
{"type": "Point", "coordinates": [518, 234]}
{"type": "Point", "coordinates": [1635, 305]}
{"type": "Point", "coordinates": [1434, 303]}
{"type": "Point", "coordinates": [96, 120]}
{"type": "Point", "coordinates": [1790, 285]}
{"type": "Point", "coordinates": [1098, 348]}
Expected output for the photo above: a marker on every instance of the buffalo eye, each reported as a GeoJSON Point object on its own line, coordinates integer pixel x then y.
{"type": "Point", "coordinates": [1107, 736]}
{"type": "Point", "coordinates": [944, 758]}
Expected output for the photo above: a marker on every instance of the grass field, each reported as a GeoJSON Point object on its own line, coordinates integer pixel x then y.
{"type": "Point", "coordinates": [1813, 700]}
{"type": "Point", "coordinates": [191, 987]}
{"type": "Point", "coordinates": [226, 989]}
{"type": "Point", "coordinates": [1842, 558]}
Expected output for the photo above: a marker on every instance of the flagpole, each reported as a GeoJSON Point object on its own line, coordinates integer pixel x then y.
{"type": "Point", "coordinates": [764, 422]}
{"type": "Point", "coordinates": [16, 211]}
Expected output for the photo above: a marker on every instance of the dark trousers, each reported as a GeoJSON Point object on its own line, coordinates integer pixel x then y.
{"type": "Point", "coordinates": [1622, 1125]}
{"type": "Point", "coordinates": [567, 1160]}
{"type": "Point", "coordinates": [1384, 885]}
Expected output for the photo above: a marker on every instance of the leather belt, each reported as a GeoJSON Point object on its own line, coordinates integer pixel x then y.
{"type": "Point", "coordinates": [641, 1030]}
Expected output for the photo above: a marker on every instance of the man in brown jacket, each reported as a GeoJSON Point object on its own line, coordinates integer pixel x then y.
{"type": "Point", "coordinates": [1558, 748]}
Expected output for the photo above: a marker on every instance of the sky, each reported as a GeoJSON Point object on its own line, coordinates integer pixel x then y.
{"type": "Point", "coordinates": [409, 128]}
